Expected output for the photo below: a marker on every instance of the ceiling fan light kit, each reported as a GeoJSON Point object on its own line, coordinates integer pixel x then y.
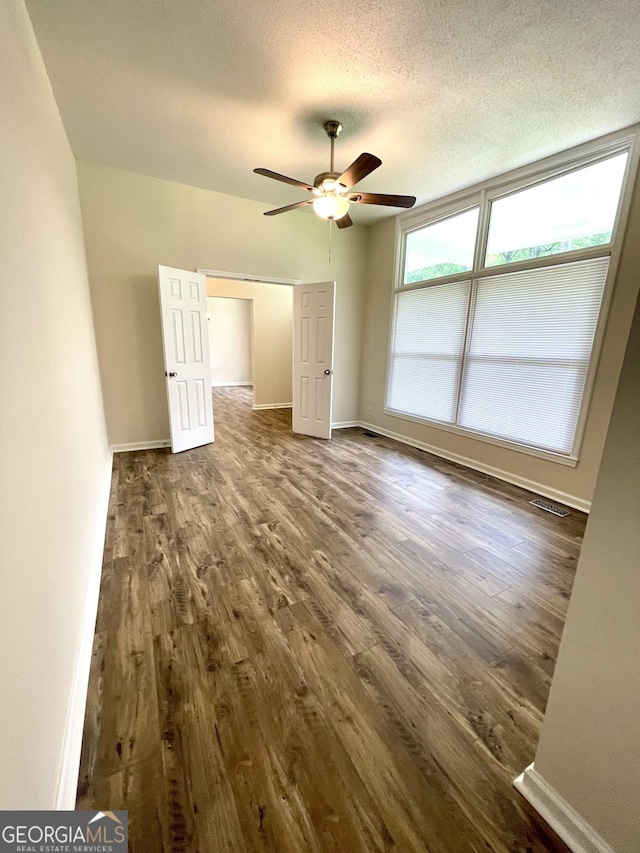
{"type": "Point", "coordinates": [331, 205]}
{"type": "Point", "coordinates": [332, 189]}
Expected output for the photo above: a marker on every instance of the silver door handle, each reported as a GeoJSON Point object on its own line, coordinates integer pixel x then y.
{"type": "Point", "coordinates": [328, 372]}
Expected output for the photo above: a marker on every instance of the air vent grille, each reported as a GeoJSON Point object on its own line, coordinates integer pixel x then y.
{"type": "Point", "coordinates": [552, 508]}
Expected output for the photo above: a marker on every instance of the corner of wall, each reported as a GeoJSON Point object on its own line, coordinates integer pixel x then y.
{"type": "Point", "coordinates": [577, 834]}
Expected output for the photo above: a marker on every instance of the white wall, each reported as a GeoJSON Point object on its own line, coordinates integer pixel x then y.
{"type": "Point", "coordinates": [272, 336]}
{"type": "Point", "coordinates": [133, 223]}
{"type": "Point", "coordinates": [589, 748]}
{"type": "Point", "coordinates": [229, 324]}
{"type": "Point", "coordinates": [573, 485]}
{"type": "Point", "coordinates": [55, 461]}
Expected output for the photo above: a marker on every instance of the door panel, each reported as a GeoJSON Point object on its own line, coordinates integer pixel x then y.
{"type": "Point", "coordinates": [183, 308]}
{"type": "Point", "coordinates": [313, 322]}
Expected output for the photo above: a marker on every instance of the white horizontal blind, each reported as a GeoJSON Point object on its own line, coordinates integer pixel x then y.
{"type": "Point", "coordinates": [528, 353]}
{"type": "Point", "coordinates": [427, 351]}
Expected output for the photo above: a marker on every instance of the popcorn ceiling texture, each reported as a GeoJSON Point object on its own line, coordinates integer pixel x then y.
{"type": "Point", "coordinates": [446, 92]}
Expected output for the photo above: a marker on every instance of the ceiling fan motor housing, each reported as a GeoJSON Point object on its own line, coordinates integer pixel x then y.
{"type": "Point", "coordinates": [319, 180]}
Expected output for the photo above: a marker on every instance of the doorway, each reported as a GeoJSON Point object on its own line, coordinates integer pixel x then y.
{"type": "Point", "coordinates": [271, 335]}
{"type": "Point", "coordinates": [291, 337]}
{"type": "Point", "coordinates": [230, 353]}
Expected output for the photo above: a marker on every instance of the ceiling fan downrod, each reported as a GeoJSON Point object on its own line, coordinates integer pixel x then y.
{"type": "Point", "coordinates": [333, 129]}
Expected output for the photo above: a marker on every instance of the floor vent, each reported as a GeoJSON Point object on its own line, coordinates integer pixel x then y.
{"type": "Point", "coordinates": [552, 508]}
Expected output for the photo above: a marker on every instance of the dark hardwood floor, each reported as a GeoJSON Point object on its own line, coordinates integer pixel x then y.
{"type": "Point", "coordinates": [321, 646]}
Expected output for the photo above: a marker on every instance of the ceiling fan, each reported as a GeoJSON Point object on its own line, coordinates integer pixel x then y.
{"type": "Point", "coordinates": [331, 190]}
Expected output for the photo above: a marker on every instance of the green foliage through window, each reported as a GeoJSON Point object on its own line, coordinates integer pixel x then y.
{"type": "Point", "coordinates": [549, 249]}
{"type": "Point", "coordinates": [436, 271]}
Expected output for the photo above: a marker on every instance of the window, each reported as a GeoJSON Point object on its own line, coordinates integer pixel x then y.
{"type": "Point", "coordinates": [501, 347]}
{"type": "Point", "coordinates": [528, 353]}
{"type": "Point", "coordinates": [427, 350]}
{"type": "Point", "coordinates": [441, 249]}
{"type": "Point", "coordinates": [575, 211]}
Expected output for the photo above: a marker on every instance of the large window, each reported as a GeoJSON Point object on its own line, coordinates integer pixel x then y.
{"type": "Point", "coordinates": [497, 307]}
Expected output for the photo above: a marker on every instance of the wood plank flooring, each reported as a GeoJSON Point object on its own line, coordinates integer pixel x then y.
{"type": "Point", "coordinates": [312, 646]}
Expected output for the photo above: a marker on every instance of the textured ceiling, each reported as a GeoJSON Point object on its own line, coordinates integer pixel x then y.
{"type": "Point", "coordinates": [445, 92]}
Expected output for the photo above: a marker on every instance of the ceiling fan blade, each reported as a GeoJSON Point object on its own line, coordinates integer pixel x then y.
{"type": "Point", "coordinates": [359, 169]}
{"type": "Point", "coordinates": [289, 207]}
{"type": "Point", "coordinates": [381, 198]}
{"type": "Point", "coordinates": [267, 173]}
{"type": "Point", "coordinates": [344, 221]}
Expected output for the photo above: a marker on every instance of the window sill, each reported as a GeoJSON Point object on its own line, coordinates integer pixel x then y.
{"type": "Point", "coordinates": [549, 455]}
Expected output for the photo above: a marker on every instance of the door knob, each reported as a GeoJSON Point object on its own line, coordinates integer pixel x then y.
{"type": "Point", "coordinates": [328, 372]}
{"type": "Point", "coordinates": [172, 373]}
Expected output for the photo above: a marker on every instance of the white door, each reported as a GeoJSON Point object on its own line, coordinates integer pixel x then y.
{"type": "Point", "coordinates": [183, 307]}
{"type": "Point", "coordinates": [313, 320]}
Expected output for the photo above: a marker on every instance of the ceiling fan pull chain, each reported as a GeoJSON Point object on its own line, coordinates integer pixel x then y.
{"type": "Point", "coordinates": [330, 233]}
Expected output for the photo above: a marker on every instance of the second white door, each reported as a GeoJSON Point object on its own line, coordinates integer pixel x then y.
{"type": "Point", "coordinates": [313, 323]}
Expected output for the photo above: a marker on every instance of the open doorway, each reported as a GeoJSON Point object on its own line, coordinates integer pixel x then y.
{"type": "Point", "coordinates": [251, 340]}
{"type": "Point", "coordinates": [292, 332]}
{"type": "Point", "coordinates": [229, 326]}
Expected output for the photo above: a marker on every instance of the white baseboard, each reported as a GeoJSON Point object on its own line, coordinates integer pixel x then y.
{"type": "Point", "coordinates": [67, 782]}
{"type": "Point", "coordinates": [141, 445]}
{"type": "Point", "coordinates": [232, 384]}
{"type": "Point", "coordinates": [498, 473]}
{"type": "Point", "coordinates": [576, 833]}
{"type": "Point", "coordinates": [272, 406]}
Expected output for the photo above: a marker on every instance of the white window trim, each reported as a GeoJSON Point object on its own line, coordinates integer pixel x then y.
{"type": "Point", "coordinates": [482, 195]}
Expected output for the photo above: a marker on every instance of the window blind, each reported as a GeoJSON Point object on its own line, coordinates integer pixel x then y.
{"type": "Point", "coordinates": [427, 350]}
{"type": "Point", "coordinates": [528, 353]}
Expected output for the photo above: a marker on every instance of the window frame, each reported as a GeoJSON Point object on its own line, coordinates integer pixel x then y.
{"type": "Point", "coordinates": [482, 196]}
